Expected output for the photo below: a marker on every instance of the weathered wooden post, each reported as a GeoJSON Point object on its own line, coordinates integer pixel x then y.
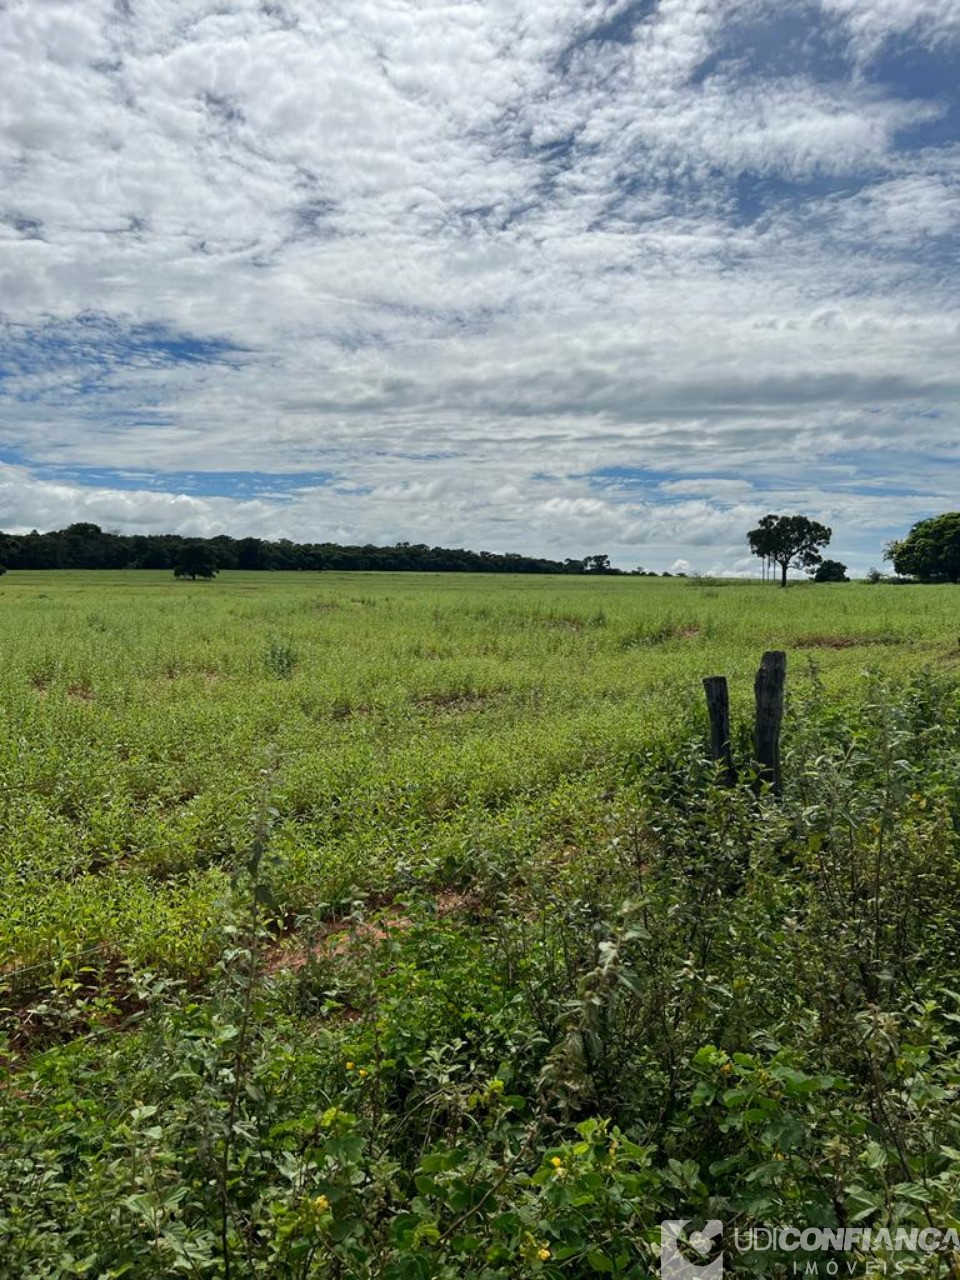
{"type": "Point", "coordinates": [768, 687]}
{"type": "Point", "coordinates": [718, 709]}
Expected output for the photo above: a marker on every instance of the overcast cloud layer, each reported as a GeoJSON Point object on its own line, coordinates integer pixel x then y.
{"type": "Point", "coordinates": [544, 276]}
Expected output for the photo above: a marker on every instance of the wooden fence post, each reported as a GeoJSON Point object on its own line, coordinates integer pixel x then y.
{"type": "Point", "coordinates": [768, 687]}
{"type": "Point", "coordinates": [718, 709]}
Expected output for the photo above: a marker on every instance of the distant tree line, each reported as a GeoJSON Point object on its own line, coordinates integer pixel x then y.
{"type": "Point", "coordinates": [87, 546]}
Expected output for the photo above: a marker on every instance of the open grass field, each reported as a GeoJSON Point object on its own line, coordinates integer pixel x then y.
{"type": "Point", "coordinates": [406, 721]}
{"type": "Point", "coordinates": [405, 877]}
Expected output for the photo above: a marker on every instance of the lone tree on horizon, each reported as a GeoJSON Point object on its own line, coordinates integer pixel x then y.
{"type": "Point", "coordinates": [195, 561]}
{"type": "Point", "coordinates": [789, 541]}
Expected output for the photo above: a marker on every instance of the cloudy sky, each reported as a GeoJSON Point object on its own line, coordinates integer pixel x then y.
{"type": "Point", "coordinates": [559, 276]}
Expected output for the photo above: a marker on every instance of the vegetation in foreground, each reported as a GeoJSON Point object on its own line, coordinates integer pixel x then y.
{"type": "Point", "coordinates": [380, 928]}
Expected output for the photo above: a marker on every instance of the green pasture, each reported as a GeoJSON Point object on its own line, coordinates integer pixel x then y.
{"type": "Point", "coordinates": [402, 727]}
{"type": "Point", "coordinates": [395, 927]}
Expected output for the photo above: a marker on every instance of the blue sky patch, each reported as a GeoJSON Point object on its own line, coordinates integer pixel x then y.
{"type": "Point", "coordinates": [92, 345]}
{"type": "Point", "coordinates": [243, 485]}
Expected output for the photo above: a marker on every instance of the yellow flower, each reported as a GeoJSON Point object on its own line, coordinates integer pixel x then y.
{"type": "Point", "coordinates": [543, 1254]}
{"type": "Point", "coordinates": [321, 1204]}
{"type": "Point", "coordinates": [556, 1162]}
{"type": "Point", "coordinates": [362, 1072]}
{"type": "Point", "coordinates": [350, 1066]}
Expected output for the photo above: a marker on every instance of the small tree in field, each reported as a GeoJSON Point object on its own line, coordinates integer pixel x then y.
{"type": "Point", "coordinates": [831, 571]}
{"type": "Point", "coordinates": [789, 541]}
{"type": "Point", "coordinates": [195, 561]}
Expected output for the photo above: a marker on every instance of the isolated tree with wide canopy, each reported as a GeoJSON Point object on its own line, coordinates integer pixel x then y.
{"type": "Point", "coordinates": [789, 541]}
{"type": "Point", "coordinates": [195, 561]}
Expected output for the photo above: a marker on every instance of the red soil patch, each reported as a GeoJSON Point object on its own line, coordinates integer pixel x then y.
{"type": "Point", "coordinates": [342, 939]}
{"type": "Point", "coordinates": [334, 940]}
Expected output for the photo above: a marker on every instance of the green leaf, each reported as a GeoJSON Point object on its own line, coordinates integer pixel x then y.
{"type": "Point", "coordinates": [265, 897]}
{"type": "Point", "coordinates": [440, 1161]}
{"type": "Point", "coordinates": [599, 1261]}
